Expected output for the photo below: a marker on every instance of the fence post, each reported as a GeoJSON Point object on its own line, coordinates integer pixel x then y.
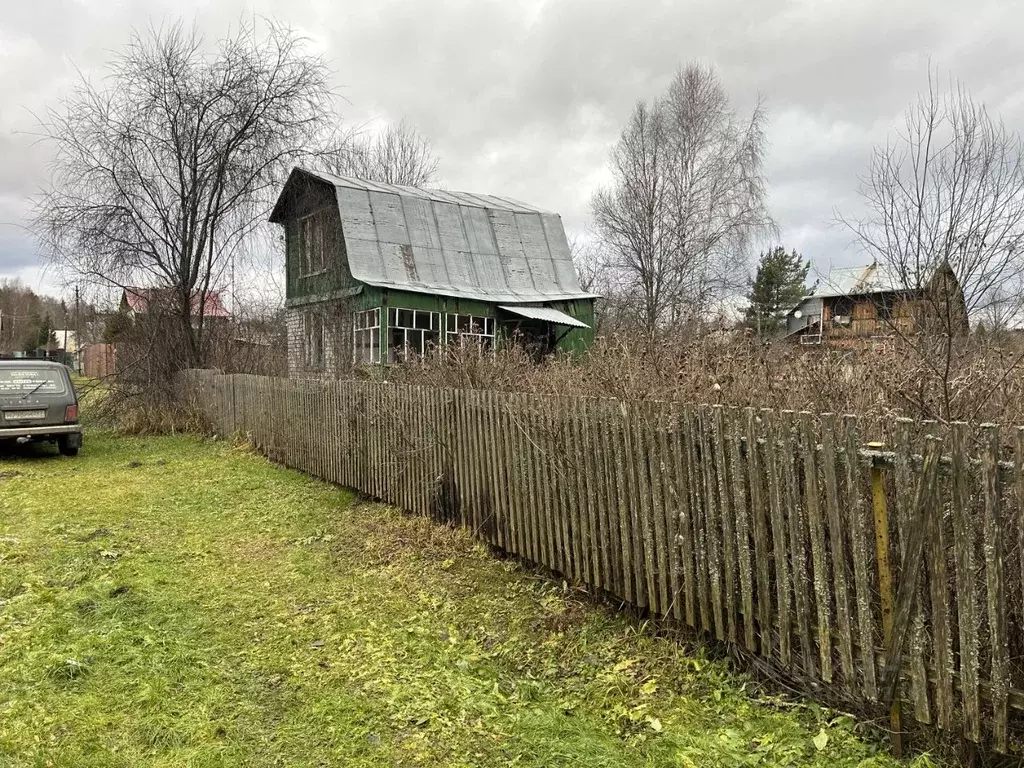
{"type": "Point", "coordinates": [881, 513]}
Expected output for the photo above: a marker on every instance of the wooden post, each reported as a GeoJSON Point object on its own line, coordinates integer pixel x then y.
{"type": "Point", "coordinates": [881, 510]}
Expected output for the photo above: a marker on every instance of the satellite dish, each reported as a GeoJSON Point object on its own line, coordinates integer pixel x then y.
{"type": "Point", "coordinates": [798, 314]}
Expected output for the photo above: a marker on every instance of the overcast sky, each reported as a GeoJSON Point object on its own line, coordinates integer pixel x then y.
{"type": "Point", "coordinates": [525, 99]}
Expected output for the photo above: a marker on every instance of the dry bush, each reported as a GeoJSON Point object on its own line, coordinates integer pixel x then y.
{"type": "Point", "coordinates": [986, 382]}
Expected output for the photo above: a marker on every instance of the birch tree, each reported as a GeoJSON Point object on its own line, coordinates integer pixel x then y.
{"type": "Point", "coordinates": [687, 199]}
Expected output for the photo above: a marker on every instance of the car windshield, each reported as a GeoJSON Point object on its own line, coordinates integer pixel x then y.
{"type": "Point", "coordinates": [41, 381]}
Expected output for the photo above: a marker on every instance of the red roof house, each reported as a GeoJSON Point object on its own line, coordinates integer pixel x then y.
{"type": "Point", "coordinates": [139, 300]}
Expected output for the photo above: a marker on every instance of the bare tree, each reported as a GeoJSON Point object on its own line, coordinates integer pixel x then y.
{"type": "Point", "coordinates": [166, 166]}
{"type": "Point", "coordinates": [19, 307]}
{"type": "Point", "coordinates": [944, 216]}
{"type": "Point", "coordinates": [947, 190]}
{"type": "Point", "coordinates": [688, 198]}
{"type": "Point", "coordinates": [396, 155]}
{"type": "Point", "coordinates": [632, 216]}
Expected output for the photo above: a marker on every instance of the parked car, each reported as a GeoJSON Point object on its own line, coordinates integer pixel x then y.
{"type": "Point", "coordinates": [38, 403]}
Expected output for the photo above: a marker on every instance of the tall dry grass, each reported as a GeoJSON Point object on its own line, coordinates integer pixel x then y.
{"type": "Point", "coordinates": [983, 381]}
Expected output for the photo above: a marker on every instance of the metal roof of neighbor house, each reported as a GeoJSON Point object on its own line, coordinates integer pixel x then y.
{"type": "Point", "coordinates": [458, 244]}
{"type": "Point", "coordinates": [858, 281]}
{"type": "Point", "coordinates": [139, 299]}
{"type": "Point", "coordinates": [546, 314]}
{"type": "Point", "coordinates": [855, 281]}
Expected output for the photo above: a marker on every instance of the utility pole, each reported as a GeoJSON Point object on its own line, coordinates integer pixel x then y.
{"type": "Point", "coordinates": [78, 336]}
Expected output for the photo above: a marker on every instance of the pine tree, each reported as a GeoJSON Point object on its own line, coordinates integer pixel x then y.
{"type": "Point", "coordinates": [778, 286]}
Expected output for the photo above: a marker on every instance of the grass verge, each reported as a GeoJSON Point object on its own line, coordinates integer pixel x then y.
{"type": "Point", "coordinates": [172, 601]}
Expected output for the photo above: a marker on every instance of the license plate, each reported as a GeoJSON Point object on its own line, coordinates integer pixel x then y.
{"type": "Point", "coordinates": [21, 415]}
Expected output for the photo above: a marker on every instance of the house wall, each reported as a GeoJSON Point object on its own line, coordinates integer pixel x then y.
{"type": "Point", "coordinates": [576, 340]}
{"type": "Point", "coordinates": [336, 319]}
{"type": "Point", "coordinates": [866, 319]}
{"type": "Point", "coordinates": [337, 313]}
{"type": "Point", "coordinates": [336, 277]}
{"type": "Point", "coordinates": [810, 308]}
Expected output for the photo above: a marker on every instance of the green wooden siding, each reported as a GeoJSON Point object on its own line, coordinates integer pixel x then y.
{"type": "Point", "coordinates": [335, 280]}
{"type": "Point", "coordinates": [575, 340]}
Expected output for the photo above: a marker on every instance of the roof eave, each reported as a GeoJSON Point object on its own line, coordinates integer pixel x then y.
{"type": "Point", "coordinates": [507, 298]}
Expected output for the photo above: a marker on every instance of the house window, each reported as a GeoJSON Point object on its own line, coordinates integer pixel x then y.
{"type": "Point", "coordinates": [473, 328]}
{"type": "Point", "coordinates": [366, 337]}
{"type": "Point", "coordinates": [312, 244]}
{"type": "Point", "coordinates": [411, 332]}
{"type": "Point", "coordinates": [315, 340]}
{"type": "Point", "coordinates": [842, 311]}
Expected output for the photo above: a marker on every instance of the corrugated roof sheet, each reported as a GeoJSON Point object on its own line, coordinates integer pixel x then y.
{"type": "Point", "coordinates": [457, 244]}
{"type": "Point", "coordinates": [856, 281]}
{"type": "Point", "coordinates": [546, 314]}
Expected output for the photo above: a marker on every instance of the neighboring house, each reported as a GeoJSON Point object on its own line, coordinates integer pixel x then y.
{"type": "Point", "coordinates": [871, 303]}
{"type": "Point", "coordinates": [376, 273]}
{"type": "Point", "coordinates": [139, 301]}
{"type": "Point", "coordinates": [66, 339]}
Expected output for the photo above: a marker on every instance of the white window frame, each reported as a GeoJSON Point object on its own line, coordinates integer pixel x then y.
{"type": "Point", "coordinates": [426, 328]}
{"type": "Point", "coordinates": [312, 229]}
{"type": "Point", "coordinates": [479, 329]}
{"type": "Point", "coordinates": [366, 327]}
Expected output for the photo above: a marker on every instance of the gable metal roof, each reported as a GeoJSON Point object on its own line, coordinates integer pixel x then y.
{"type": "Point", "coordinates": [855, 281]}
{"type": "Point", "coordinates": [859, 281]}
{"type": "Point", "coordinates": [458, 244]}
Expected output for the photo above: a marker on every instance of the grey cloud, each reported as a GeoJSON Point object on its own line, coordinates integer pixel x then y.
{"type": "Point", "coordinates": [526, 99]}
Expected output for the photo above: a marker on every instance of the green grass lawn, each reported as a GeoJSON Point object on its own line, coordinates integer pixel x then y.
{"type": "Point", "coordinates": [175, 602]}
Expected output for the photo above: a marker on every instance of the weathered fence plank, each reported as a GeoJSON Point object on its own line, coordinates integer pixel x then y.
{"type": "Point", "coordinates": [783, 589]}
{"type": "Point", "coordinates": [658, 475]}
{"type": "Point", "coordinates": [995, 580]}
{"type": "Point", "coordinates": [616, 436]}
{"type": "Point", "coordinates": [684, 518]}
{"type": "Point", "coordinates": [728, 533]}
{"type": "Point", "coordinates": [582, 533]}
{"type": "Point", "coordinates": [816, 524]}
{"type": "Point", "coordinates": [699, 492]}
{"type": "Point", "coordinates": [640, 435]}
{"type": "Point", "coordinates": [837, 539]}
{"type": "Point", "coordinates": [592, 484]}
{"type": "Point", "coordinates": [966, 587]}
{"type": "Point", "coordinates": [904, 482]}
{"type": "Point", "coordinates": [669, 452]}
{"type": "Point", "coordinates": [860, 547]}
{"type": "Point", "coordinates": [743, 546]}
{"type": "Point", "coordinates": [759, 514]}
{"type": "Point", "coordinates": [797, 542]}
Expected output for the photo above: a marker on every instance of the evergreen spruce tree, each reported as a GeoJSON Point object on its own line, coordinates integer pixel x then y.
{"type": "Point", "coordinates": [778, 286]}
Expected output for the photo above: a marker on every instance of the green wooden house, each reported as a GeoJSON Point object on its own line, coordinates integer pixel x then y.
{"type": "Point", "coordinates": [377, 273]}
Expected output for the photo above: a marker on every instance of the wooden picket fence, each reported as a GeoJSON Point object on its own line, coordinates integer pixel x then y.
{"type": "Point", "coordinates": [884, 573]}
